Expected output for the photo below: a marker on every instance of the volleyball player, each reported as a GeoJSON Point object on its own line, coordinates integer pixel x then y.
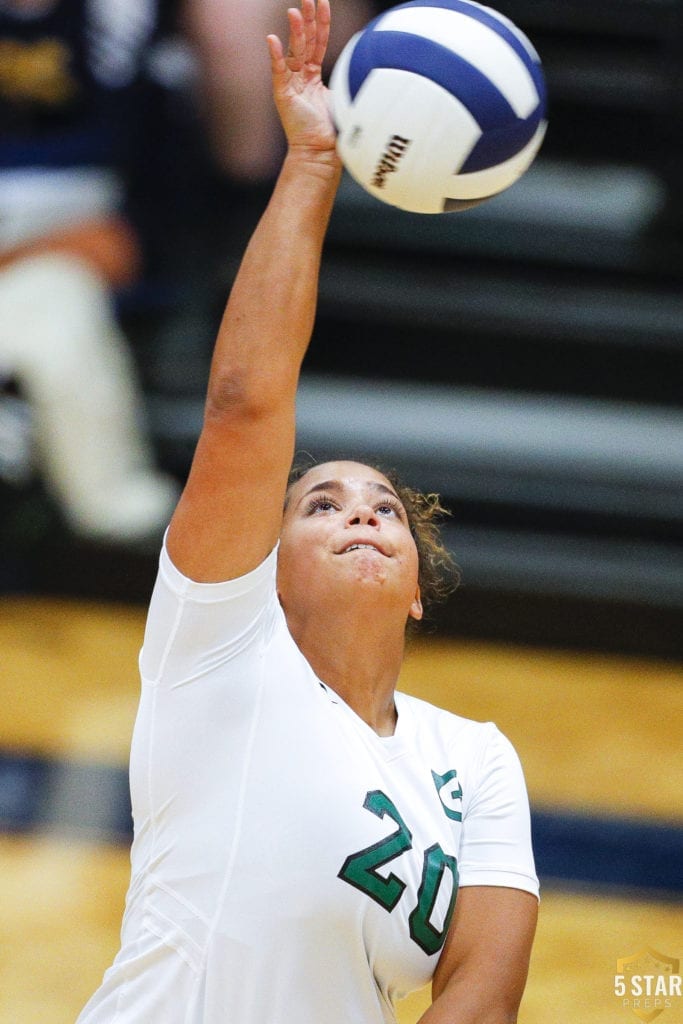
{"type": "Point", "coordinates": [310, 844]}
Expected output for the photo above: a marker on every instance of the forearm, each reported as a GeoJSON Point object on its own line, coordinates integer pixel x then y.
{"type": "Point", "coordinates": [269, 317]}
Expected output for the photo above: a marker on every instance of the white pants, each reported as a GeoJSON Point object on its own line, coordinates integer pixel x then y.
{"type": "Point", "coordinates": [60, 340]}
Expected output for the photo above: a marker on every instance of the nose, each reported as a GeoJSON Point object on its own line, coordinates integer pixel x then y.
{"type": "Point", "coordinates": [362, 515]}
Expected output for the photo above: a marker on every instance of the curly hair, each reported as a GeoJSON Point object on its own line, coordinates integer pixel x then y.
{"type": "Point", "coordinates": [438, 573]}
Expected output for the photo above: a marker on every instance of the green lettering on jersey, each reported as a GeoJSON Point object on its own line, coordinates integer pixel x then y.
{"type": "Point", "coordinates": [360, 869]}
{"type": "Point", "coordinates": [450, 796]}
{"type": "Point", "coordinates": [422, 931]}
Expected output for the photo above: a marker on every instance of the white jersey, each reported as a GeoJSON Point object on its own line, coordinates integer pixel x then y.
{"type": "Point", "coordinates": [288, 863]}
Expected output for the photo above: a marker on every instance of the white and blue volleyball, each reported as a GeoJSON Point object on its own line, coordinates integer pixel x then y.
{"type": "Point", "coordinates": [438, 105]}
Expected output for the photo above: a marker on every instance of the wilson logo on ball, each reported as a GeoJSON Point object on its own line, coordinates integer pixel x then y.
{"type": "Point", "coordinates": [391, 157]}
{"type": "Point", "coordinates": [458, 80]}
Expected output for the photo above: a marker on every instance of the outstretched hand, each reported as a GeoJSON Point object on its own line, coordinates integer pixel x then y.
{"type": "Point", "coordinates": [302, 101]}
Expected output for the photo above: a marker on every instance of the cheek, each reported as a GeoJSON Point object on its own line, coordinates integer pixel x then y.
{"type": "Point", "coordinates": [295, 560]}
{"type": "Point", "coordinates": [409, 555]}
{"type": "Point", "coordinates": [413, 560]}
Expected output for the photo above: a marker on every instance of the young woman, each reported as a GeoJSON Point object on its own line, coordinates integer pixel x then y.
{"type": "Point", "coordinates": [302, 830]}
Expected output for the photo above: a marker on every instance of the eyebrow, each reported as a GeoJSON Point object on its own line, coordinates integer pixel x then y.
{"type": "Point", "coordinates": [337, 486]}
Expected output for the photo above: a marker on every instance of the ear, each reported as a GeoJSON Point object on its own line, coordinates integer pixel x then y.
{"type": "Point", "coordinates": [416, 610]}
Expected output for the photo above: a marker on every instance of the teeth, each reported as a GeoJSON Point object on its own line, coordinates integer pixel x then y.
{"type": "Point", "coordinates": [357, 547]}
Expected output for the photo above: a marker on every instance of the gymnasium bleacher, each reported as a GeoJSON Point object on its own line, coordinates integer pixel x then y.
{"type": "Point", "coordinates": [524, 359]}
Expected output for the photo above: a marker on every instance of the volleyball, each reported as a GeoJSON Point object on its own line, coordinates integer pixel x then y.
{"type": "Point", "coordinates": [438, 105]}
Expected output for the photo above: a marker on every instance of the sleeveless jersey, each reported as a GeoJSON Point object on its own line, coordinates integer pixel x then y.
{"type": "Point", "coordinates": [288, 863]}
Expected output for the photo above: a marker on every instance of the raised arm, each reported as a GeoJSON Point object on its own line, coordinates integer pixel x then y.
{"type": "Point", "coordinates": [229, 514]}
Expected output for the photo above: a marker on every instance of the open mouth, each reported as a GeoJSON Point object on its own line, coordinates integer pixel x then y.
{"type": "Point", "coordinates": [361, 547]}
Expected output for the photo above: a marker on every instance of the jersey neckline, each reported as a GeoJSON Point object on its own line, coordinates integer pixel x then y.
{"type": "Point", "coordinates": [390, 746]}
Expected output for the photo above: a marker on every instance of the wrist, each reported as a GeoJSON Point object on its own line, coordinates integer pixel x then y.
{"type": "Point", "coordinates": [323, 164]}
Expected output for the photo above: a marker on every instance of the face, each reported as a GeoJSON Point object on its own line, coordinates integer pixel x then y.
{"type": "Point", "coordinates": [346, 536]}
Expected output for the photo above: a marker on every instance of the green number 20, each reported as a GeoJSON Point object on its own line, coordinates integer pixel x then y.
{"type": "Point", "coordinates": [360, 870]}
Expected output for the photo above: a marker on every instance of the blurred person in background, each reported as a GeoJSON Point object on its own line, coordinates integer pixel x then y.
{"type": "Point", "coordinates": [70, 141]}
{"type": "Point", "coordinates": [69, 70]}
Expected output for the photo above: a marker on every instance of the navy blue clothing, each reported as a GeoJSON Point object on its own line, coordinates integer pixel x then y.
{"type": "Point", "coordinates": [68, 82]}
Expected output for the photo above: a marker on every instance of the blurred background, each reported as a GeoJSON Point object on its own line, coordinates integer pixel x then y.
{"type": "Point", "coordinates": [524, 359]}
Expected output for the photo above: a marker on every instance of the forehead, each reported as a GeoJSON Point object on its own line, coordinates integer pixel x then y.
{"type": "Point", "coordinates": [348, 475]}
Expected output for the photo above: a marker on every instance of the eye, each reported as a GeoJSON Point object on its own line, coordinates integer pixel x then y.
{"type": "Point", "coordinates": [390, 506]}
{"type": "Point", "coordinates": [320, 503]}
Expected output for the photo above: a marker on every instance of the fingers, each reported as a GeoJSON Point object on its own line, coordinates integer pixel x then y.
{"type": "Point", "coordinates": [309, 32]}
{"type": "Point", "coordinates": [277, 55]}
{"type": "Point", "coordinates": [322, 31]}
{"type": "Point", "coordinates": [316, 25]}
{"type": "Point", "coordinates": [296, 55]}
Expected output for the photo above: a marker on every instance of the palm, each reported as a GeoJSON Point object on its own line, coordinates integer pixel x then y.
{"type": "Point", "coordinates": [300, 96]}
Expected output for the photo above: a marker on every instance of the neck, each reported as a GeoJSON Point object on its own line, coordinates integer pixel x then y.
{"type": "Point", "coordinates": [361, 662]}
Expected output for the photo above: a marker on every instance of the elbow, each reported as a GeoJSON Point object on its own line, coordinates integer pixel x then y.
{"type": "Point", "coordinates": [227, 395]}
{"type": "Point", "coordinates": [245, 397]}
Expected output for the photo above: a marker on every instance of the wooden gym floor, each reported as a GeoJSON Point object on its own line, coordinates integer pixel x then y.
{"type": "Point", "coordinates": [599, 737]}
